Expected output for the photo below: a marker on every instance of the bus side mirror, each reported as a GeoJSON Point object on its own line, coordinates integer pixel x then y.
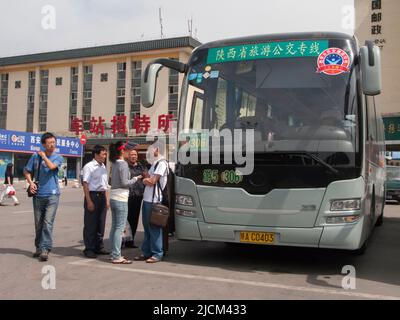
{"type": "Point", "coordinates": [149, 84]}
{"type": "Point", "coordinates": [370, 59]}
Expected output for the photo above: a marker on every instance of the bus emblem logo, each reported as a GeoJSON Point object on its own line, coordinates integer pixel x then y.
{"type": "Point", "coordinates": [333, 61]}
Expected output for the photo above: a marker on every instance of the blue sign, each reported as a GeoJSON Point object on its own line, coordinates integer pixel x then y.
{"type": "Point", "coordinates": [26, 142]}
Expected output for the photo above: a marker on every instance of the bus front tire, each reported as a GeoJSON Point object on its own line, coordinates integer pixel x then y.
{"type": "Point", "coordinates": [379, 222]}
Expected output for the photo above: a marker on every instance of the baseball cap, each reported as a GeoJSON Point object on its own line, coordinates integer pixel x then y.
{"type": "Point", "coordinates": [130, 145]}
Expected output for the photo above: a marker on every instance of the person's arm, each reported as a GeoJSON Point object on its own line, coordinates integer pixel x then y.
{"type": "Point", "coordinates": [86, 180]}
{"type": "Point", "coordinates": [89, 202]}
{"type": "Point", "coordinates": [152, 181]}
{"type": "Point", "coordinates": [28, 175]}
{"type": "Point", "coordinates": [49, 164]}
{"type": "Point", "coordinates": [108, 199]}
{"type": "Point", "coordinates": [124, 176]}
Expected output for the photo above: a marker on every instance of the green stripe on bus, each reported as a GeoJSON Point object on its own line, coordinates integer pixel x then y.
{"type": "Point", "coordinates": [270, 50]}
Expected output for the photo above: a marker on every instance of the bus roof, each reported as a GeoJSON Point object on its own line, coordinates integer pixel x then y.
{"type": "Point", "coordinates": [277, 37]}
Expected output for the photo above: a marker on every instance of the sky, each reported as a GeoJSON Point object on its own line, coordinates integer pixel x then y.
{"type": "Point", "coordinates": [49, 25]}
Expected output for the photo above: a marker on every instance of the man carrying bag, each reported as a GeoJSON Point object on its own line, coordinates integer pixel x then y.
{"type": "Point", "coordinates": [152, 247]}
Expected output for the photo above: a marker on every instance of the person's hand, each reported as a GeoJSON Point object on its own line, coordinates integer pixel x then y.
{"type": "Point", "coordinates": [90, 206]}
{"type": "Point", "coordinates": [139, 177]}
{"type": "Point", "coordinates": [146, 182]}
{"type": "Point", "coordinates": [108, 205]}
{"type": "Point", "coordinates": [41, 154]}
{"type": "Point", "coordinates": [33, 187]}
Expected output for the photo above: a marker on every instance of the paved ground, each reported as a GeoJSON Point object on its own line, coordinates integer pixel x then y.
{"type": "Point", "coordinates": [192, 270]}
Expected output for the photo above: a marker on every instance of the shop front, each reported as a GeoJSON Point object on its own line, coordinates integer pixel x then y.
{"type": "Point", "coordinates": [17, 147]}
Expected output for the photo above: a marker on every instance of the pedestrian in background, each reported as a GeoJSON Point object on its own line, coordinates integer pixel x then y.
{"type": "Point", "coordinates": [96, 203]}
{"type": "Point", "coordinates": [44, 166]}
{"type": "Point", "coordinates": [9, 190]}
{"type": "Point", "coordinates": [119, 196]}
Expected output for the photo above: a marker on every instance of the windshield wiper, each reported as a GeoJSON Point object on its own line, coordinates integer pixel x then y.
{"type": "Point", "coordinates": [312, 156]}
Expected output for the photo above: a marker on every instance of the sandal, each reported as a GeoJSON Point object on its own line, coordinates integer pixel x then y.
{"type": "Point", "coordinates": [141, 258]}
{"type": "Point", "coordinates": [122, 261]}
{"type": "Point", "coordinates": [153, 260]}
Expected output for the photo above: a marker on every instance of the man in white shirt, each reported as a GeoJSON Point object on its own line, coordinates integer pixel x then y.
{"type": "Point", "coordinates": [97, 202]}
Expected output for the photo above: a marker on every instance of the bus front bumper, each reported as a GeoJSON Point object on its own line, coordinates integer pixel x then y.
{"type": "Point", "coordinates": [346, 237]}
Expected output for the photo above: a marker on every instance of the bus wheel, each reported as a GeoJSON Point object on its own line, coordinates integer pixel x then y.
{"type": "Point", "coordinates": [379, 222]}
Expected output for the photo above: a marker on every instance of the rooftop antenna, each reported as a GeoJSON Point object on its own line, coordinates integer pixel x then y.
{"type": "Point", "coordinates": [161, 23]}
{"type": "Point", "coordinates": [190, 26]}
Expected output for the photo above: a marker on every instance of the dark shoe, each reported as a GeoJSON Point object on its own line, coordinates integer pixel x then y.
{"type": "Point", "coordinates": [102, 252]}
{"type": "Point", "coordinates": [37, 253]}
{"type": "Point", "coordinates": [130, 244]}
{"type": "Point", "coordinates": [44, 256]}
{"type": "Point", "coordinates": [90, 254]}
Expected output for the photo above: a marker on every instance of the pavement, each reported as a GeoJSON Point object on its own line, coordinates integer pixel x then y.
{"type": "Point", "coordinates": [191, 270]}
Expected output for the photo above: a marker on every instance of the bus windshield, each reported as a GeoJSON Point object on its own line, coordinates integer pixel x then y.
{"type": "Point", "coordinates": [288, 103]}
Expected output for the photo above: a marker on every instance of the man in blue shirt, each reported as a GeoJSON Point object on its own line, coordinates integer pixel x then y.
{"type": "Point", "coordinates": [43, 167]}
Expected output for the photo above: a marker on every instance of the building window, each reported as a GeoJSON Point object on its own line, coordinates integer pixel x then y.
{"type": "Point", "coordinates": [136, 89]}
{"type": "Point", "coordinates": [44, 83]}
{"type": "Point", "coordinates": [59, 81]}
{"type": "Point", "coordinates": [17, 84]}
{"type": "Point", "coordinates": [104, 77]}
{"type": "Point", "coordinates": [31, 101]}
{"type": "Point", "coordinates": [121, 69]}
{"type": "Point", "coordinates": [87, 96]}
{"type": "Point", "coordinates": [3, 100]}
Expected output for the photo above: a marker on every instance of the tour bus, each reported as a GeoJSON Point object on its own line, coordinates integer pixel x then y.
{"type": "Point", "coordinates": [318, 139]}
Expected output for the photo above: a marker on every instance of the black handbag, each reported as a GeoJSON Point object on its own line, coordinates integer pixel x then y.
{"type": "Point", "coordinates": [30, 194]}
{"type": "Point", "coordinates": [159, 213]}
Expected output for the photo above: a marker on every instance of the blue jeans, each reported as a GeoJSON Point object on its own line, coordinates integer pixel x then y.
{"type": "Point", "coordinates": [44, 209]}
{"type": "Point", "coordinates": [153, 236]}
{"type": "Point", "coordinates": [119, 211]}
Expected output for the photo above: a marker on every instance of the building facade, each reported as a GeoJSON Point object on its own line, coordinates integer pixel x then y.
{"type": "Point", "coordinates": [92, 91]}
{"type": "Point", "coordinates": [378, 20]}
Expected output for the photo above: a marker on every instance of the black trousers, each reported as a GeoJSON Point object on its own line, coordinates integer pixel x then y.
{"type": "Point", "coordinates": [134, 206]}
{"type": "Point", "coordinates": [95, 222]}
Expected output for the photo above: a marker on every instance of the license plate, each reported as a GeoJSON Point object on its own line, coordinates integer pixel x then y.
{"type": "Point", "coordinates": [257, 237]}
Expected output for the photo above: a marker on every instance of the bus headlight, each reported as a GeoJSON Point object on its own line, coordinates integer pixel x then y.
{"type": "Point", "coordinates": [184, 200]}
{"type": "Point", "coordinates": [346, 205]}
{"type": "Point", "coordinates": [341, 220]}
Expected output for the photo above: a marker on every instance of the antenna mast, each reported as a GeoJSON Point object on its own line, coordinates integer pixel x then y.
{"type": "Point", "coordinates": [161, 23]}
